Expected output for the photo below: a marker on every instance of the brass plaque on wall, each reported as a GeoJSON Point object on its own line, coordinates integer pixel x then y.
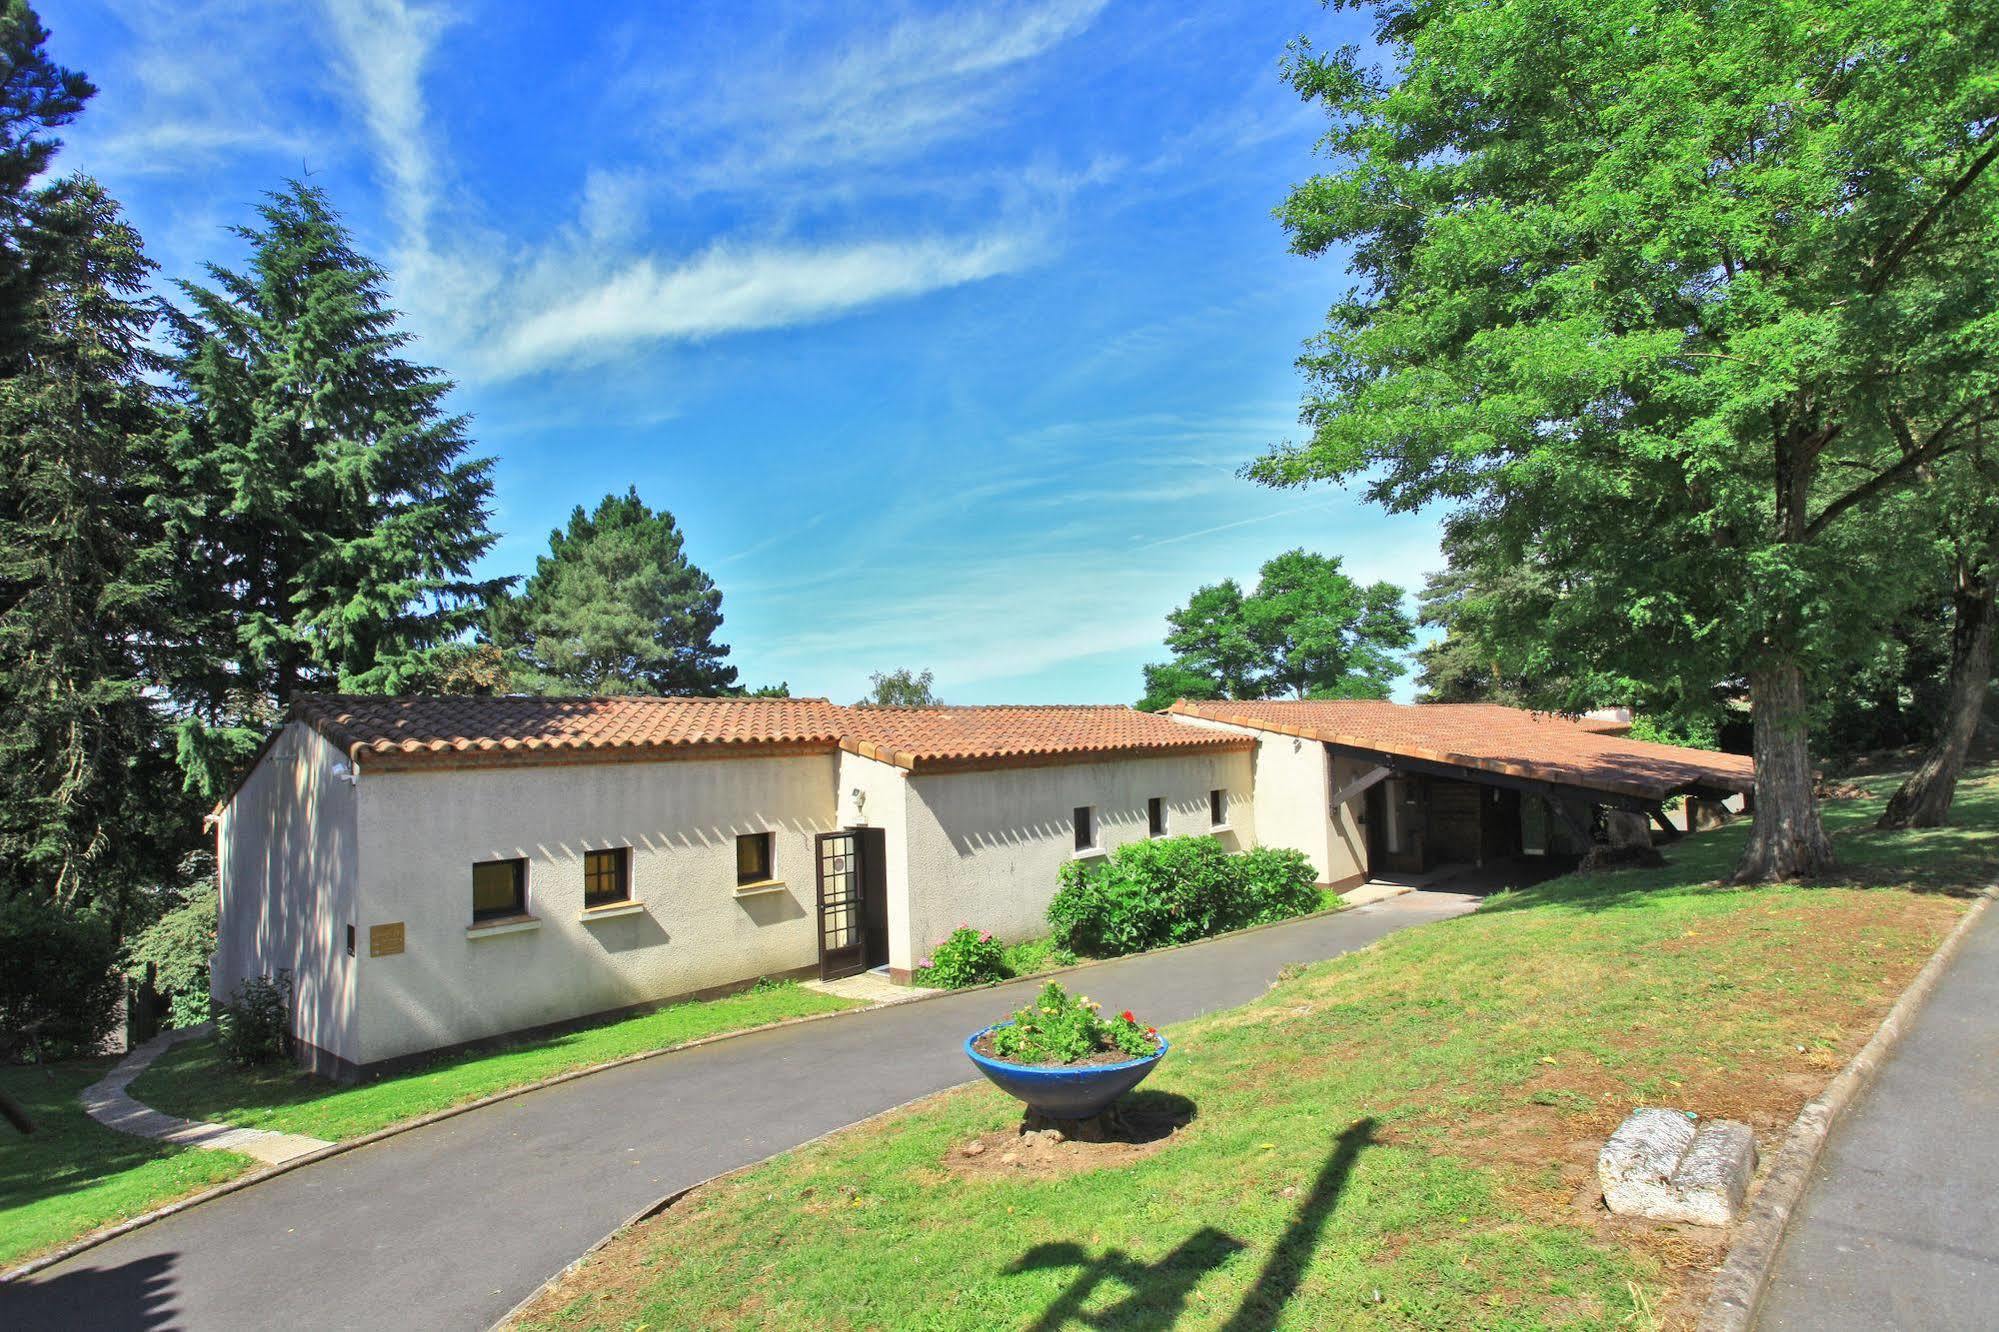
{"type": "Point", "coordinates": [385, 940]}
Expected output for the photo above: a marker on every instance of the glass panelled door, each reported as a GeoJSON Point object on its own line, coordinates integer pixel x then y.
{"type": "Point", "coordinates": [842, 906]}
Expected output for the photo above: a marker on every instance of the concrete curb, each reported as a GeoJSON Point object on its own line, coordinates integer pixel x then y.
{"type": "Point", "coordinates": [244, 1181]}
{"type": "Point", "coordinates": [1744, 1275]}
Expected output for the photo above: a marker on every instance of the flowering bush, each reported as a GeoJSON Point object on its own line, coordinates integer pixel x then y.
{"type": "Point", "coordinates": [1173, 889]}
{"type": "Point", "coordinates": [964, 957]}
{"type": "Point", "coordinates": [1058, 1028]}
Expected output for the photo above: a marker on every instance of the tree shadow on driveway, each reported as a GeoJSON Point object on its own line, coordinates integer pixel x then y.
{"type": "Point", "coordinates": [133, 1295]}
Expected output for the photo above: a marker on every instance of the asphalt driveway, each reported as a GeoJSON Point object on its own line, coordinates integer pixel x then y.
{"type": "Point", "coordinates": [1899, 1227]}
{"type": "Point", "coordinates": [451, 1225]}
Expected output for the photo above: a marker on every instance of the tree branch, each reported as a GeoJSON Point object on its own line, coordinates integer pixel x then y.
{"type": "Point", "coordinates": [1885, 266]}
{"type": "Point", "coordinates": [1932, 449]}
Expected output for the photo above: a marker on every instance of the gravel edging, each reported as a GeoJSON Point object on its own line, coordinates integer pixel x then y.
{"type": "Point", "coordinates": [245, 1180]}
{"type": "Point", "coordinates": [1745, 1274]}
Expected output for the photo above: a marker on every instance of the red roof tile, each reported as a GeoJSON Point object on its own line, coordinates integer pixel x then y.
{"type": "Point", "coordinates": [1492, 738]}
{"type": "Point", "coordinates": [459, 730]}
{"type": "Point", "coordinates": [933, 738]}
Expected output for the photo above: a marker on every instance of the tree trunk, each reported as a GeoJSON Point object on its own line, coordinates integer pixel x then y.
{"type": "Point", "coordinates": [1786, 841]}
{"type": "Point", "coordinates": [1924, 799]}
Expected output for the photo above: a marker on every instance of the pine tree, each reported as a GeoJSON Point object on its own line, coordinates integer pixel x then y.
{"type": "Point", "coordinates": [84, 572]}
{"type": "Point", "coordinates": [36, 96]}
{"type": "Point", "coordinates": [329, 504]}
{"type": "Point", "coordinates": [616, 607]}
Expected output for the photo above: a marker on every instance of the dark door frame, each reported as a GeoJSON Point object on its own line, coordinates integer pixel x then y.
{"type": "Point", "coordinates": [849, 866]}
{"type": "Point", "coordinates": [842, 897]}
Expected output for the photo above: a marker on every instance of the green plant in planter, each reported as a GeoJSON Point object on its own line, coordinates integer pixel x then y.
{"type": "Point", "coordinates": [964, 957]}
{"type": "Point", "coordinates": [1060, 1028]}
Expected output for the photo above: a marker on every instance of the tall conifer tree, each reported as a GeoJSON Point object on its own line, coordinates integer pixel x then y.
{"type": "Point", "coordinates": [84, 578]}
{"type": "Point", "coordinates": [36, 96]}
{"type": "Point", "coordinates": [331, 507]}
{"type": "Point", "coordinates": [616, 607]}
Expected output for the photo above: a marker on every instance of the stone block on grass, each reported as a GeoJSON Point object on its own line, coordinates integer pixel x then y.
{"type": "Point", "coordinates": [1662, 1166]}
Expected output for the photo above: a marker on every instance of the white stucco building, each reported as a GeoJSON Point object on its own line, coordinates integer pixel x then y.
{"type": "Point", "coordinates": [436, 871]}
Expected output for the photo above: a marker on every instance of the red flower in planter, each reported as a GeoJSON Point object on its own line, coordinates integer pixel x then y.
{"type": "Point", "coordinates": [1126, 1015]}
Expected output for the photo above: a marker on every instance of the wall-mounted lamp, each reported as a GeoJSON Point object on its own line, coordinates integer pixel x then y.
{"type": "Point", "coordinates": [345, 772]}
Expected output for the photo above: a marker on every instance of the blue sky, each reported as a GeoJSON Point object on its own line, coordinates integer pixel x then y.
{"type": "Point", "coordinates": [941, 331]}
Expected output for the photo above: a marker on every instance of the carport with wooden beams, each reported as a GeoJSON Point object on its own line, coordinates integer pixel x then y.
{"type": "Point", "coordinates": [1445, 783]}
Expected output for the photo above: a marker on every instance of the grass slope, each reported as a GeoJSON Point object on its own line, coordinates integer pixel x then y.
{"type": "Point", "coordinates": [195, 1081]}
{"type": "Point", "coordinates": [73, 1175]}
{"type": "Point", "coordinates": [1401, 1138]}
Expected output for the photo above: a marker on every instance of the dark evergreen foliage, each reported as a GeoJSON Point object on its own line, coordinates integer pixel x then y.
{"type": "Point", "coordinates": [329, 511]}
{"type": "Point", "coordinates": [86, 580]}
{"type": "Point", "coordinates": [616, 607]}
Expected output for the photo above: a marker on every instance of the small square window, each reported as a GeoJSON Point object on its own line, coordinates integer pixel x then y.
{"type": "Point", "coordinates": [607, 877]}
{"type": "Point", "coordinates": [499, 889]}
{"type": "Point", "coordinates": [1086, 828]}
{"type": "Point", "coordinates": [753, 858]}
{"type": "Point", "coordinates": [1155, 817]}
{"type": "Point", "coordinates": [1218, 808]}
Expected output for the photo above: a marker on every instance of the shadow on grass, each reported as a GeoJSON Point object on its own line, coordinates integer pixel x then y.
{"type": "Point", "coordinates": [68, 1151]}
{"type": "Point", "coordinates": [138, 1294]}
{"type": "Point", "coordinates": [1156, 1293]}
{"type": "Point", "coordinates": [1146, 1116]}
{"type": "Point", "coordinates": [1956, 860]}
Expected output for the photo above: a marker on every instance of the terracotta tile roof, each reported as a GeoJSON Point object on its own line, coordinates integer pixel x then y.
{"type": "Point", "coordinates": [422, 731]}
{"type": "Point", "coordinates": [384, 732]}
{"type": "Point", "coordinates": [1492, 738]}
{"type": "Point", "coordinates": [923, 739]}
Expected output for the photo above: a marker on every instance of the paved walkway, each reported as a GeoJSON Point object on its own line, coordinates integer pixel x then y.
{"type": "Point", "coordinates": [450, 1225]}
{"type": "Point", "coordinates": [107, 1102]}
{"type": "Point", "coordinates": [870, 987]}
{"type": "Point", "coordinates": [1900, 1226]}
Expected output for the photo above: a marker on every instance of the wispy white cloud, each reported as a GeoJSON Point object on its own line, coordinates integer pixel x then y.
{"type": "Point", "coordinates": [877, 98]}
{"type": "Point", "coordinates": [383, 47]}
{"type": "Point", "coordinates": [168, 112]}
{"type": "Point", "coordinates": [498, 309]}
{"type": "Point", "coordinates": [730, 290]}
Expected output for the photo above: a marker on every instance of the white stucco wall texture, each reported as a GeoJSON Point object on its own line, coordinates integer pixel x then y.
{"type": "Point", "coordinates": [1294, 783]}
{"type": "Point", "coordinates": [422, 831]}
{"type": "Point", "coordinates": [986, 848]}
{"type": "Point", "coordinates": [287, 871]}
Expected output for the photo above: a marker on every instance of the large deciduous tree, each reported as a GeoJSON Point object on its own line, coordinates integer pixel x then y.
{"type": "Point", "coordinates": [1969, 486]}
{"type": "Point", "coordinates": [330, 512]}
{"type": "Point", "coordinates": [901, 688]}
{"type": "Point", "coordinates": [1307, 630]}
{"type": "Point", "coordinates": [1673, 296]}
{"type": "Point", "coordinates": [616, 607]}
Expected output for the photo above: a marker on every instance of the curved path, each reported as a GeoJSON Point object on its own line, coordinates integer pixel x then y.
{"type": "Point", "coordinates": [109, 1103]}
{"type": "Point", "coordinates": [450, 1225]}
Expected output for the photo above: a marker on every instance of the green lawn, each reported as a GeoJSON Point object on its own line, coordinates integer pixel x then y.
{"type": "Point", "coordinates": [73, 1175]}
{"type": "Point", "coordinates": [195, 1081]}
{"type": "Point", "coordinates": [1401, 1138]}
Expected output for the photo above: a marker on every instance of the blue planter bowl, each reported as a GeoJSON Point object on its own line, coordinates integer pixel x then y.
{"type": "Point", "coordinates": [1059, 1092]}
